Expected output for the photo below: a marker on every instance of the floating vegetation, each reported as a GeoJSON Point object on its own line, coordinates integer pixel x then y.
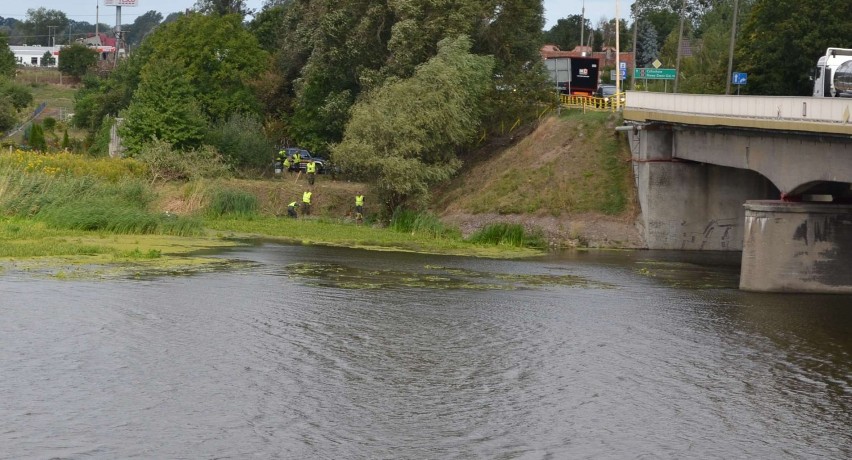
{"type": "Point", "coordinates": [432, 277]}
{"type": "Point", "coordinates": [140, 269]}
{"type": "Point", "coordinates": [691, 276]}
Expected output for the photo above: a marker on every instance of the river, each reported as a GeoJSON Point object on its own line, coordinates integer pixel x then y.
{"type": "Point", "coordinates": [311, 352]}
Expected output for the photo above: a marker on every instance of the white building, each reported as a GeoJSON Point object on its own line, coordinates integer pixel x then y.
{"type": "Point", "coordinates": [31, 56]}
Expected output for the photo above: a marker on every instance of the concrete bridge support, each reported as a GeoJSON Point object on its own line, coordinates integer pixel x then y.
{"type": "Point", "coordinates": [797, 247]}
{"type": "Point", "coordinates": [687, 205]}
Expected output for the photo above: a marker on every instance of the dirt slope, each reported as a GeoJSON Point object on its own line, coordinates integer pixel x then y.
{"type": "Point", "coordinates": [570, 177]}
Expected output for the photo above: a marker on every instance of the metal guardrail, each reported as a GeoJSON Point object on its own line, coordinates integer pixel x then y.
{"type": "Point", "coordinates": [602, 104]}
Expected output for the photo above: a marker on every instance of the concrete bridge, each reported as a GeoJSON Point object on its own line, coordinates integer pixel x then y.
{"type": "Point", "coordinates": [768, 176]}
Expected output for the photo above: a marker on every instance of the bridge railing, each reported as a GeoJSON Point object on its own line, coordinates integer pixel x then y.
{"type": "Point", "coordinates": [605, 104]}
{"type": "Point", "coordinates": [813, 109]}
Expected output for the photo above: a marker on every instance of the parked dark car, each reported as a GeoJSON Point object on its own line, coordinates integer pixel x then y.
{"type": "Point", "coordinates": [306, 157]}
{"type": "Point", "coordinates": [607, 91]}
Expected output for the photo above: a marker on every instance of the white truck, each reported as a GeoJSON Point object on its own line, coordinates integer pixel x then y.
{"type": "Point", "coordinates": [833, 74]}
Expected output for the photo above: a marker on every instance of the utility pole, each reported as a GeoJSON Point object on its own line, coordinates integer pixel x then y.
{"type": "Point", "coordinates": [679, 45]}
{"type": "Point", "coordinates": [635, 29]}
{"type": "Point", "coordinates": [731, 50]}
{"type": "Point", "coordinates": [617, 56]}
{"type": "Point", "coordinates": [51, 35]}
{"type": "Point", "coordinates": [582, 22]}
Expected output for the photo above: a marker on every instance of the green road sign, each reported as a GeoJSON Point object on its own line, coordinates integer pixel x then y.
{"type": "Point", "coordinates": [655, 74]}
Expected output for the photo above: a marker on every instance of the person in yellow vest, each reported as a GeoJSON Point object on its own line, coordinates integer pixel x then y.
{"type": "Point", "coordinates": [288, 163]}
{"type": "Point", "coordinates": [280, 160]}
{"type": "Point", "coordinates": [297, 161]}
{"type": "Point", "coordinates": [291, 209]}
{"type": "Point", "coordinates": [306, 202]}
{"type": "Point", "coordinates": [359, 206]}
{"type": "Point", "coordinates": [312, 171]}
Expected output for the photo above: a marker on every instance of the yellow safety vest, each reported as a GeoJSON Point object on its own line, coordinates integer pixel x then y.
{"type": "Point", "coordinates": [312, 168]}
{"type": "Point", "coordinates": [297, 158]}
{"type": "Point", "coordinates": [306, 197]}
{"type": "Point", "coordinates": [287, 162]}
{"type": "Point", "coordinates": [292, 205]}
{"type": "Point", "coordinates": [359, 200]}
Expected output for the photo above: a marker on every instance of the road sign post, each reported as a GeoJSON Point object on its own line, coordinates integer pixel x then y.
{"type": "Point", "coordinates": [739, 79]}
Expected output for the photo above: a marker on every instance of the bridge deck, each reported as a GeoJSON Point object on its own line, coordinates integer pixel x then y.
{"type": "Point", "coordinates": [805, 114]}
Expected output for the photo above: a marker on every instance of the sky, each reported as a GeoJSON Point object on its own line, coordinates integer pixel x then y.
{"type": "Point", "coordinates": [84, 10]}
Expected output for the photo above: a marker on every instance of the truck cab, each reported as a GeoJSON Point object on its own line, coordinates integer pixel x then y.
{"type": "Point", "coordinates": [833, 73]}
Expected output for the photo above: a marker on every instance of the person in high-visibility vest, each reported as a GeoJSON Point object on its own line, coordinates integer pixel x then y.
{"type": "Point", "coordinates": [288, 164]}
{"type": "Point", "coordinates": [306, 202]}
{"type": "Point", "coordinates": [279, 160]}
{"type": "Point", "coordinates": [359, 206]}
{"type": "Point", "coordinates": [297, 161]}
{"type": "Point", "coordinates": [312, 171]}
{"type": "Point", "coordinates": [291, 209]}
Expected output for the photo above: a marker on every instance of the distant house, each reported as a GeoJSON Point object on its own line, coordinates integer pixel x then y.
{"type": "Point", "coordinates": [102, 43]}
{"type": "Point", "coordinates": [31, 56]}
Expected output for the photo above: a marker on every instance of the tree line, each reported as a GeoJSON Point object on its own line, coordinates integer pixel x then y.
{"type": "Point", "coordinates": [397, 92]}
{"type": "Point", "coordinates": [777, 41]}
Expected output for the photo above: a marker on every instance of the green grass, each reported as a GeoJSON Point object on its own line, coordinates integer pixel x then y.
{"type": "Point", "coordinates": [339, 233]}
{"type": "Point", "coordinates": [87, 203]}
{"type": "Point", "coordinates": [423, 223]}
{"type": "Point", "coordinates": [232, 202]}
{"type": "Point", "coordinates": [503, 234]}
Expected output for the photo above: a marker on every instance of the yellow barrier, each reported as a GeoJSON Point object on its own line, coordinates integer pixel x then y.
{"type": "Point", "coordinates": [605, 104]}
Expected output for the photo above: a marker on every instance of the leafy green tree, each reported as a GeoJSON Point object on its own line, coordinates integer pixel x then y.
{"type": "Point", "coordinates": [781, 41]}
{"type": "Point", "coordinates": [222, 7]}
{"type": "Point", "coordinates": [47, 59]}
{"type": "Point", "coordinates": [217, 54]}
{"type": "Point", "coordinates": [8, 116]}
{"type": "Point", "coordinates": [142, 26]}
{"type": "Point", "coordinates": [241, 141]}
{"type": "Point", "coordinates": [42, 26]}
{"type": "Point", "coordinates": [76, 60]}
{"type": "Point", "coordinates": [66, 143]}
{"type": "Point", "coordinates": [403, 152]}
{"type": "Point", "coordinates": [17, 95]}
{"type": "Point", "coordinates": [566, 33]}
{"type": "Point", "coordinates": [163, 107]}
{"type": "Point", "coordinates": [7, 58]}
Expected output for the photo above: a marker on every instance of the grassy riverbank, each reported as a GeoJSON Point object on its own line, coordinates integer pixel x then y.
{"type": "Point", "coordinates": [67, 215]}
{"type": "Point", "coordinates": [567, 181]}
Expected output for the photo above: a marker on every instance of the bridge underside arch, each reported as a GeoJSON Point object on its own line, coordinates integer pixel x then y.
{"type": "Point", "coordinates": [822, 191]}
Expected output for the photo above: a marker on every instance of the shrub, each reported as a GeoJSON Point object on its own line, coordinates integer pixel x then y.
{"type": "Point", "coordinates": [241, 141]}
{"type": "Point", "coordinates": [167, 164]}
{"type": "Point", "coordinates": [408, 221]}
{"type": "Point", "coordinates": [232, 202]}
{"type": "Point", "coordinates": [87, 203]}
{"type": "Point", "coordinates": [509, 235]}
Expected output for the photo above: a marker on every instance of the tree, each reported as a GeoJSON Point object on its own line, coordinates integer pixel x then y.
{"type": "Point", "coordinates": [781, 41]}
{"type": "Point", "coordinates": [17, 95]}
{"type": "Point", "coordinates": [77, 59]}
{"type": "Point", "coordinates": [36, 138]}
{"type": "Point", "coordinates": [43, 26]}
{"type": "Point", "coordinates": [403, 152]}
{"type": "Point", "coordinates": [566, 33]}
{"type": "Point", "coordinates": [222, 7]}
{"type": "Point", "coordinates": [47, 59]}
{"type": "Point", "coordinates": [141, 27]}
{"type": "Point", "coordinates": [163, 107]}
{"type": "Point", "coordinates": [647, 46]}
{"type": "Point", "coordinates": [7, 58]}
{"type": "Point", "coordinates": [217, 54]}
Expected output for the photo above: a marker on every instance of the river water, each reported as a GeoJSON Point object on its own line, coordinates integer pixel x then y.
{"type": "Point", "coordinates": [312, 352]}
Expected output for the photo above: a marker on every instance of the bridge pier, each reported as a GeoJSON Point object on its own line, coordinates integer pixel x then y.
{"type": "Point", "coordinates": [689, 205]}
{"type": "Point", "coordinates": [797, 247]}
